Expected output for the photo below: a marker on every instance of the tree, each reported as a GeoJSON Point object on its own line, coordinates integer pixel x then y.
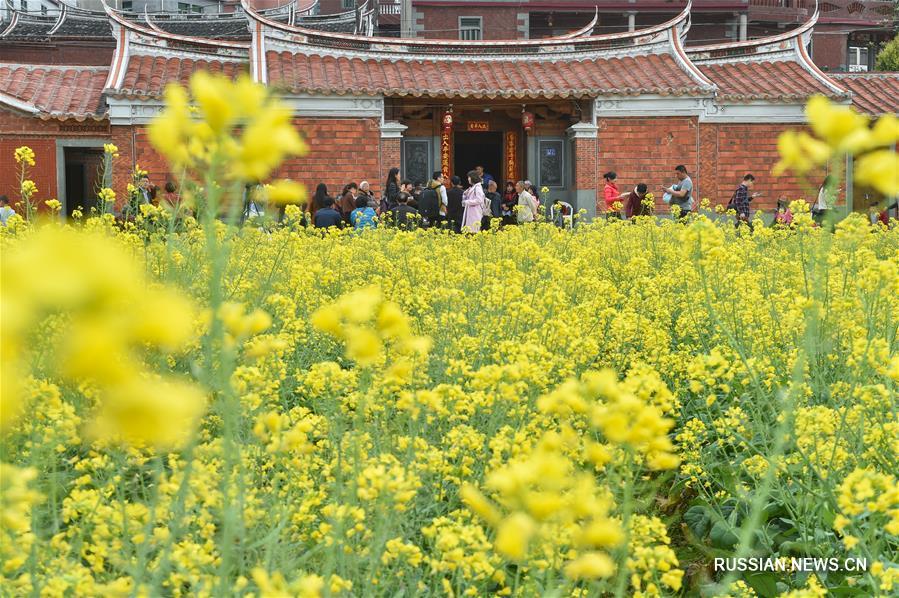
{"type": "Point", "coordinates": [888, 58]}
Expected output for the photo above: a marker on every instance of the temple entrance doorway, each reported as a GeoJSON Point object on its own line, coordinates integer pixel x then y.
{"type": "Point", "coordinates": [478, 148]}
{"type": "Point", "coordinates": [82, 178]}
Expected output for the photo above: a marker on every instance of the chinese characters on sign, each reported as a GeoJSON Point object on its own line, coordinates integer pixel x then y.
{"type": "Point", "coordinates": [445, 140]}
{"type": "Point", "coordinates": [478, 125]}
{"type": "Point", "coordinates": [511, 156]}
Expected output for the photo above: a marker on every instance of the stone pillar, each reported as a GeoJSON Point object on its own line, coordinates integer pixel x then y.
{"type": "Point", "coordinates": [584, 140]}
{"type": "Point", "coordinates": [744, 19]}
{"type": "Point", "coordinates": [631, 21]}
{"type": "Point", "coordinates": [391, 147]}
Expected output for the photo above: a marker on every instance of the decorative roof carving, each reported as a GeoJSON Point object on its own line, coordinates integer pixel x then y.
{"type": "Point", "coordinates": [774, 68]}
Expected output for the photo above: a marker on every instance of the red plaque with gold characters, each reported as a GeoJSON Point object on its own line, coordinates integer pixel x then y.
{"type": "Point", "coordinates": [446, 139]}
{"type": "Point", "coordinates": [511, 156]}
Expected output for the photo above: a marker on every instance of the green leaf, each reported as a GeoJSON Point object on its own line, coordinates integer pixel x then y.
{"type": "Point", "coordinates": [697, 519]}
{"type": "Point", "coordinates": [722, 536]}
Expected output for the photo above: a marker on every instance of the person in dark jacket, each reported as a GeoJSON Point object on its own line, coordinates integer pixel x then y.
{"type": "Point", "coordinates": [633, 204]}
{"type": "Point", "coordinates": [495, 200]}
{"type": "Point", "coordinates": [510, 200]}
{"type": "Point", "coordinates": [391, 190]}
{"type": "Point", "coordinates": [327, 216]}
{"type": "Point", "coordinates": [318, 199]}
{"type": "Point", "coordinates": [454, 207]}
{"type": "Point", "coordinates": [429, 205]}
{"type": "Point", "coordinates": [403, 216]}
{"type": "Point", "coordinates": [348, 200]}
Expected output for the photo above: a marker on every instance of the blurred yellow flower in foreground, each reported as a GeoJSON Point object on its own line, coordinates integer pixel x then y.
{"type": "Point", "coordinates": [237, 123]}
{"type": "Point", "coordinates": [840, 131]}
{"type": "Point", "coordinates": [106, 333]}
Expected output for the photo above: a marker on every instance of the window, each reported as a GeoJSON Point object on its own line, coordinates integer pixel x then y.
{"type": "Point", "coordinates": [127, 4]}
{"type": "Point", "coordinates": [470, 28]}
{"type": "Point", "coordinates": [44, 9]}
{"type": "Point", "coordinates": [184, 7]}
{"type": "Point", "coordinates": [349, 4]}
{"type": "Point", "coordinates": [551, 163]}
{"type": "Point", "coordinates": [196, 9]}
{"type": "Point", "coordinates": [23, 4]}
{"type": "Point", "coordinates": [858, 59]}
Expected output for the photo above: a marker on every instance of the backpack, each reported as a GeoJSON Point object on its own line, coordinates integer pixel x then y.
{"type": "Point", "coordinates": [429, 205]}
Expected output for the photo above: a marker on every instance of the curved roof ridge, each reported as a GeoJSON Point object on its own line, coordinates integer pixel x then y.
{"type": "Point", "coordinates": [62, 16]}
{"type": "Point", "coordinates": [583, 31]}
{"type": "Point", "coordinates": [337, 16]}
{"type": "Point", "coordinates": [680, 55]}
{"type": "Point", "coordinates": [761, 41]}
{"type": "Point", "coordinates": [157, 32]}
{"type": "Point", "coordinates": [806, 61]}
{"type": "Point", "coordinates": [387, 43]}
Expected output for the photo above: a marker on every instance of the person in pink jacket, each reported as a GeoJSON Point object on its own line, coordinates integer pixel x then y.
{"type": "Point", "coordinates": [475, 203]}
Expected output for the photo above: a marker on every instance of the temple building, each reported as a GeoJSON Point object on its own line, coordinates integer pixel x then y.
{"type": "Point", "coordinates": [558, 110]}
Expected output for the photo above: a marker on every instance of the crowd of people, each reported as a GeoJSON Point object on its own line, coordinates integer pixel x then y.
{"type": "Point", "coordinates": [679, 197]}
{"type": "Point", "coordinates": [478, 204]}
{"type": "Point", "coordinates": [468, 205]}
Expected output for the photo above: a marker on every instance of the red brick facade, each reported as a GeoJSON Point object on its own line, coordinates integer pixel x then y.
{"type": "Point", "coordinates": [716, 155]}
{"type": "Point", "coordinates": [342, 150]}
{"type": "Point", "coordinates": [17, 130]}
{"type": "Point", "coordinates": [70, 54]}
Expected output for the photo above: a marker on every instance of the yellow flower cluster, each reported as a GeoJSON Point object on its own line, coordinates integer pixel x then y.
{"type": "Point", "coordinates": [105, 336]}
{"type": "Point", "coordinates": [652, 562]}
{"type": "Point", "coordinates": [840, 130]}
{"type": "Point", "coordinates": [240, 126]}
{"type": "Point", "coordinates": [549, 501]}
{"type": "Point", "coordinates": [28, 189]}
{"type": "Point", "coordinates": [868, 493]}
{"type": "Point", "coordinates": [365, 322]}
{"type": "Point", "coordinates": [106, 195]}
{"type": "Point", "coordinates": [16, 502]}
{"type": "Point", "coordinates": [24, 155]}
{"type": "Point", "coordinates": [623, 412]}
{"type": "Point", "coordinates": [409, 413]}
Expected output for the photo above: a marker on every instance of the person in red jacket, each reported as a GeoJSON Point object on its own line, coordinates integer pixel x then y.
{"type": "Point", "coordinates": [611, 194]}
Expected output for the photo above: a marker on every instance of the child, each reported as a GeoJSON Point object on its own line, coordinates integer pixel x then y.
{"type": "Point", "coordinates": [784, 216]}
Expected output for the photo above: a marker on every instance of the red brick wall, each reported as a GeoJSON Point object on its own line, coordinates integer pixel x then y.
{"type": "Point", "coordinates": [390, 157]}
{"type": "Point", "coordinates": [749, 148]}
{"type": "Point", "coordinates": [829, 50]}
{"type": "Point", "coordinates": [93, 54]}
{"type": "Point", "coordinates": [17, 130]}
{"type": "Point", "coordinates": [443, 21]}
{"type": "Point", "coordinates": [646, 150]}
{"type": "Point", "coordinates": [340, 151]}
{"type": "Point", "coordinates": [585, 165]}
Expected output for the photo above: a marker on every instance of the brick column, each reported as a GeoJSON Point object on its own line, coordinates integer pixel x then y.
{"type": "Point", "coordinates": [391, 147]}
{"type": "Point", "coordinates": [586, 148]}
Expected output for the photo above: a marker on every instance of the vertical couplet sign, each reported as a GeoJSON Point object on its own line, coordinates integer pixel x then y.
{"type": "Point", "coordinates": [446, 137]}
{"type": "Point", "coordinates": [511, 156]}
